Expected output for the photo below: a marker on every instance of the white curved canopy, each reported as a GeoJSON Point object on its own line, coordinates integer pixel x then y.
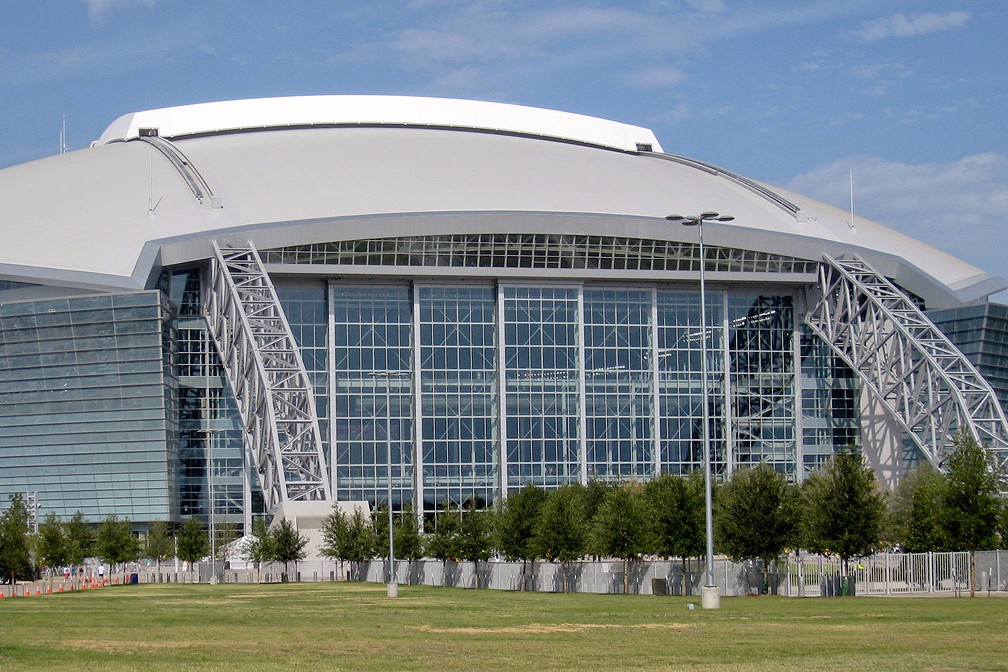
{"type": "Point", "coordinates": [303, 111]}
{"type": "Point", "coordinates": [108, 216]}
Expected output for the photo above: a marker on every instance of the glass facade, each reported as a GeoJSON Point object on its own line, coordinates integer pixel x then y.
{"type": "Point", "coordinates": [457, 394]}
{"type": "Point", "coordinates": [830, 403]}
{"type": "Point", "coordinates": [372, 399]}
{"type": "Point", "coordinates": [442, 392]}
{"type": "Point", "coordinates": [88, 398]}
{"type": "Point", "coordinates": [679, 380]}
{"type": "Point", "coordinates": [619, 426]}
{"type": "Point", "coordinates": [537, 250]}
{"type": "Point", "coordinates": [761, 374]}
{"type": "Point", "coordinates": [481, 388]}
{"type": "Point", "coordinates": [211, 449]}
{"type": "Point", "coordinates": [542, 382]}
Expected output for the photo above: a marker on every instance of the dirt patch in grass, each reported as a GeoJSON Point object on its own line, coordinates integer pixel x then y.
{"type": "Point", "coordinates": [550, 628]}
{"type": "Point", "coordinates": [117, 646]}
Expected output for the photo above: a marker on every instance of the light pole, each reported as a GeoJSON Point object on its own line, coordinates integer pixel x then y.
{"type": "Point", "coordinates": [392, 588]}
{"type": "Point", "coordinates": [711, 597]}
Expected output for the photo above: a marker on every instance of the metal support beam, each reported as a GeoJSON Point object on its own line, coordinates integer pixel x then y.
{"type": "Point", "coordinates": [928, 385]}
{"type": "Point", "coordinates": [263, 364]}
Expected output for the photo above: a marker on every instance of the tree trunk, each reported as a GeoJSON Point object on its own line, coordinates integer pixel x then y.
{"type": "Point", "coordinates": [972, 571]}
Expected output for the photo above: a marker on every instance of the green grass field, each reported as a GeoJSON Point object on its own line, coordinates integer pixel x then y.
{"type": "Point", "coordinates": [355, 627]}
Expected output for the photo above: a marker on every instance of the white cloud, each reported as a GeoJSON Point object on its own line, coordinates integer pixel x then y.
{"type": "Point", "coordinates": [675, 114]}
{"type": "Point", "coordinates": [960, 206]}
{"type": "Point", "coordinates": [99, 9]}
{"type": "Point", "coordinates": [118, 55]}
{"type": "Point", "coordinates": [901, 25]}
{"type": "Point", "coordinates": [709, 6]}
{"type": "Point", "coordinates": [658, 77]}
{"type": "Point", "coordinates": [503, 45]}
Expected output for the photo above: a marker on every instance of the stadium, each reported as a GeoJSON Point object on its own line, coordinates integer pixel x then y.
{"type": "Point", "coordinates": [233, 307]}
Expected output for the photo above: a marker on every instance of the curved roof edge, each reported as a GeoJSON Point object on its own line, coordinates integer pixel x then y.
{"type": "Point", "coordinates": [301, 111]}
{"type": "Point", "coordinates": [195, 247]}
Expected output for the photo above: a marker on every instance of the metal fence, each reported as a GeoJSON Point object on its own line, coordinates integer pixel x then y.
{"type": "Point", "coordinates": [796, 576]}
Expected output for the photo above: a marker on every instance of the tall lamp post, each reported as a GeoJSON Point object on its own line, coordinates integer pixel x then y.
{"type": "Point", "coordinates": [392, 588]}
{"type": "Point", "coordinates": [710, 596]}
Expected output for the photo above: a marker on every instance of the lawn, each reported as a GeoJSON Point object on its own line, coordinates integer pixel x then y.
{"type": "Point", "coordinates": [355, 627]}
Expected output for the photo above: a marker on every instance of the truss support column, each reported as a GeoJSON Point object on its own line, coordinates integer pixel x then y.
{"type": "Point", "coordinates": [928, 385]}
{"type": "Point", "coordinates": [263, 365]}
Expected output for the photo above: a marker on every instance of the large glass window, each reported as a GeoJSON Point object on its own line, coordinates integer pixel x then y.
{"type": "Point", "coordinates": [679, 375]}
{"type": "Point", "coordinates": [85, 405]}
{"type": "Point", "coordinates": [618, 398]}
{"type": "Point", "coordinates": [372, 403]}
{"type": "Point", "coordinates": [762, 380]}
{"type": "Point", "coordinates": [541, 385]}
{"type": "Point", "coordinates": [457, 379]}
{"type": "Point", "coordinates": [304, 303]}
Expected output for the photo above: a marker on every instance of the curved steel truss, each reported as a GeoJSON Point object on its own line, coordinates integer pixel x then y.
{"type": "Point", "coordinates": [264, 367]}
{"type": "Point", "coordinates": [921, 377]}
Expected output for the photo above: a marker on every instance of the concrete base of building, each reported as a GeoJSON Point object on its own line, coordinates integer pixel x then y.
{"type": "Point", "coordinates": [710, 597]}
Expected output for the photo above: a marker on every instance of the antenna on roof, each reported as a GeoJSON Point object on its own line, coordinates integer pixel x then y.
{"type": "Point", "coordinates": [851, 224]}
{"type": "Point", "coordinates": [62, 149]}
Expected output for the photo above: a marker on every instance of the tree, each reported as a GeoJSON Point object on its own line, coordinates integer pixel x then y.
{"type": "Point", "coordinates": [473, 541]}
{"type": "Point", "coordinates": [678, 517]}
{"type": "Point", "coordinates": [560, 533]}
{"type": "Point", "coordinates": [843, 509]}
{"type": "Point", "coordinates": [408, 542]}
{"type": "Point", "coordinates": [115, 542]}
{"type": "Point", "coordinates": [159, 544]}
{"type": "Point", "coordinates": [15, 550]}
{"type": "Point", "coordinates": [224, 533]}
{"type": "Point", "coordinates": [900, 505]}
{"type": "Point", "coordinates": [349, 538]}
{"type": "Point", "coordinates": [443, 542]}
{"type": "Point", "coordinates": [80, 538]}
{"type": "Point", "coordinates": [621, 527]}
{"type": "Point", "coordinates": [288, 544]}
{"type": "Point", "coordinates": [593, 495]}
{"type": "Point", "coordinates": [755, 515]}
{"type": "Point", "coordinates": [260, 549]}
{"type": "Point", "coordinates": [514, 525]}
{"type": "Point", "coordinates": [925, 530]}
{"type": "Point", "coordinates": [971, 504]}
{"type": "Point", "coordinates": [51, 545]}
{"type": "Point", "coordinates": [192, 542]}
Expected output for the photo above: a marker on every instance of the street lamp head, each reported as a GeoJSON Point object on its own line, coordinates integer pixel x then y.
{"type": "Point", "coordinates": [685, 221]}
{"type": "Point", "coordinates": [695, 220]}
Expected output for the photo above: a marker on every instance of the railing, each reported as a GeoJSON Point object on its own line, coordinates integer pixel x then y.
{"type": "Point", "coordinates": [881, 574]}
{"type": "Point", "coordinates": [798, 576]}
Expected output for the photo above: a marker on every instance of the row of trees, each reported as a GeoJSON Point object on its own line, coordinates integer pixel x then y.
{"type": "Point", "coordinates": [839, 511]}
{"type": "Point", "coordinates": [67, 543]}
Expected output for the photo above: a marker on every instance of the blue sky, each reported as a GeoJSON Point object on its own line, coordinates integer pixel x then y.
{"type": "Point", "coordinates": [912, 94]}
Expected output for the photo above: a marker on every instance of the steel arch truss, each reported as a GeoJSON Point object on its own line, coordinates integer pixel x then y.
{"type": "Point", "coordinates": [264, 367]}
{"type": "Point", "coordinates": [928, 385]}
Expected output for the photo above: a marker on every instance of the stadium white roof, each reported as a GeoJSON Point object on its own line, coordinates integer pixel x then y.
{"type": "Point", "coordinates": [288, 171]}
{"type": "Point", "coordinates": [308, 111]}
